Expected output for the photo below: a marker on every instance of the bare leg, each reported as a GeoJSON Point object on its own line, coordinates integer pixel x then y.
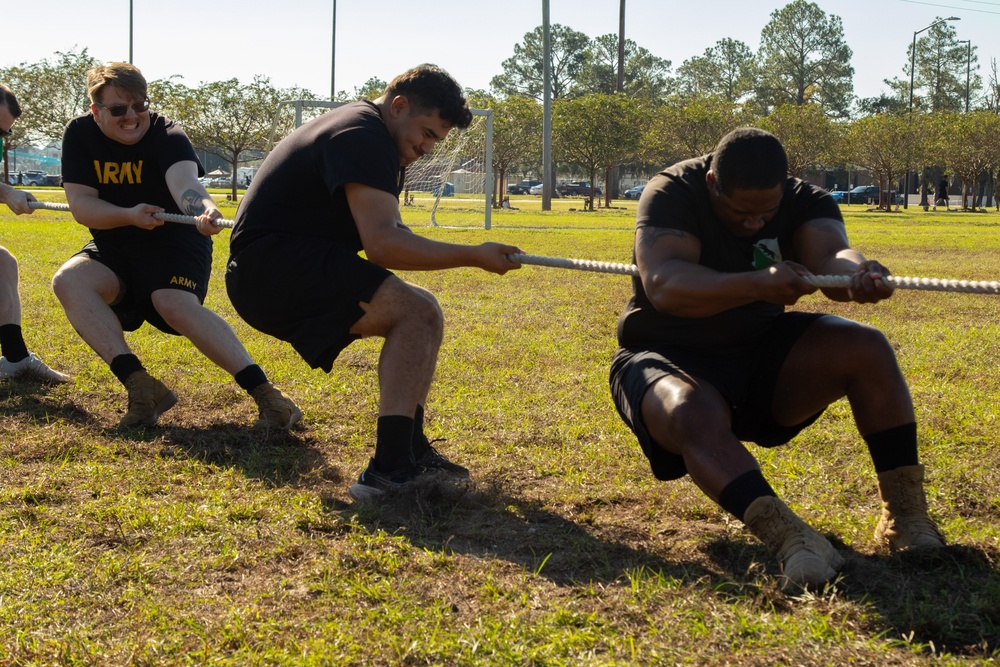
{"type": "Point", "coordinates": [834, 358]}
{"type": "Point", "coordinates": [211, 334]}
{"type": "Point", "coordinates": [85, 287]}
{"type": "Point", "coordinates": [692, 420]}
{"type": "Point", "coordinates": [412, 324]}
{"type": "Point", "coordinates": [10, 302]}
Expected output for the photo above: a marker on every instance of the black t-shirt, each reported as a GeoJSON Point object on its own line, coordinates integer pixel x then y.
{"type": "Point", "coordinates": [299, 189]}
{"type": "Point", "coordinates": [128, 175]}
{"type": "Point", "coordinates": [679, 198]}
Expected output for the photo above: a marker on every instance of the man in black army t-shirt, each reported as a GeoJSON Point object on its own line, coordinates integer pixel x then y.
{"type": "Point", "coordinates": [122, 164]}
{"type": "Point", "coordinates": [709, 358]}
{"type": "Point", "coordinates": [327, 191]}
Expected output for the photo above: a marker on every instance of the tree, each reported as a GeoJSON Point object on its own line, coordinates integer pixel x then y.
{"type": "Point", "coordinates": [882, 144]}
{"type": "Point", "coordinates": [991, 98]}
{"type": "Point", "coordinates": [51, 93]}
{"type": "Point", "coordinates": [523, 72]}
{"type": "Point", "coordinates": [967, 144]}
{"type": "Point", "coordinates": [681, 131]}
{"type": "Point", "coordinates": [804, 58]}
{"type": "Point", "coordinates": [727, 69]}
{"type": "Point", "coordinates": [596, 131]}
{"type": "Point", "coordinates": [939, 71]}
{"type": "Point", "coordinates": [645, 75]}
{"type": "Point", "coordinates": [230, 118]}
{"type": "Point", "coordinates": [517, 136]}
{"type": "Point", "coordinates": [370, 90]}
{"type": "Point", "coordinates": [808, 135]}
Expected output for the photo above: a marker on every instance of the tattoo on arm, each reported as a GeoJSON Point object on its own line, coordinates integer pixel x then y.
{"type": "Point", "coordinates": [648, 236]}
{"type": "Point", "coordinates": [192, 204]}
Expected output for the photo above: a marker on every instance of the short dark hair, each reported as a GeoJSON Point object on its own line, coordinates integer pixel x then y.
{"type": "Point", "coordinates": [428, 87]}
{"type": "Point", "coordinates": [126, 77]}
{"type": "Point", "coordinates": [7, 99]}
{"type": "Point", "coordinates": [749, 158]}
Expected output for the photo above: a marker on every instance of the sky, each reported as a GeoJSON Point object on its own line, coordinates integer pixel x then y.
{"type": "Point", "coordinates": [292, 42]}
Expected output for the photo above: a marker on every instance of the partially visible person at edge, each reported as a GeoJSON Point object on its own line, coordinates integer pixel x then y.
{"type": "Point", "coordinates": [121, 165]}
{"type": "Point", "coordinates": [709, 358]}
{"type": "Point", "coordinates": [17, 361]}
{"type": "Point", "coordinates": [294, 271]}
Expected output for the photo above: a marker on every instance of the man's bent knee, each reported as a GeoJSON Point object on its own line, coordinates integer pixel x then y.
{"type": "Point", "coordinates": [398, 304]}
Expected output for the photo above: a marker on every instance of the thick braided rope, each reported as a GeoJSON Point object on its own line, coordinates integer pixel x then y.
{"type": "Point", "coordinates": [899, 282]}
{"type": "Point", "coordinates": [166, 217]}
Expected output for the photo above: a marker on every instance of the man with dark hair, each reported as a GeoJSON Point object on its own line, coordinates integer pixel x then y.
{"type": "Point", "coordinates": [16, 361]}
{"type": "Point", "coordinates": [122, 164]}
{"type": "Point", "coordinates": [294, 271]}
{"type": "Point", "coordinates": [708, 358]}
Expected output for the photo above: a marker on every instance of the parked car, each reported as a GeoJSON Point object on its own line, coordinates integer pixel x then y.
{"type": "Point", "coordinates": [838, 195]}
{"type": "Point", "coordinates": [31, 177]}
{"type": "Point", "coordinates": [869, 193]}
{"type": "Point", "coordinates": [633, 193]}
{"type": "Point", "coordinates": [577, 189]}
{"type": "Point", "coordinates": [537, 190]}
{"type": "Point", "coordinates": [522, 188]}
{"type": "Point", "coordinates": [449, 190]}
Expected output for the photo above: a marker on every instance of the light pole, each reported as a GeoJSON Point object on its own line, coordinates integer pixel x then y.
{"type": "Point", "coordinates": [333, 54]}
{"type": "Point", "coordinates": [968, 69]}
{"type": "Point", "coordinates": [913, 54]}
{"type": "Point", "coordinates": [130, 31]}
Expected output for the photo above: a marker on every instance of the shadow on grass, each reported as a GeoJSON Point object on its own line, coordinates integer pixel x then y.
{"type": "Point", "coordinates": [280, 458]}
{"type": "Point", "coordinates": [487, 520]}
{"type": "Point", "coordinates": [946, 598]}
{"type": "Point", "coordinates": [27, 399]}
{"type": "Point", "coordinates": [949, 598]}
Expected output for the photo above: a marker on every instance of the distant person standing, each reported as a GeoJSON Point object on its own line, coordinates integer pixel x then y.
{"type": "Point", "coordinates": [941, 196]}
{"type": "Point", "coordinates": [122, 164]}
{"type": "Point", "coordinates": [16, 361]}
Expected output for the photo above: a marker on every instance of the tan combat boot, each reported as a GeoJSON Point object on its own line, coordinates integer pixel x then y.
{"type": "Point", "coordinates": [904, 523]}
{"type": "Point", "coordinates": [148, 398]}
{"type": "Point", "coordinates": [807, 559]}
{"type": "Point", "coordinates": [275, 408]}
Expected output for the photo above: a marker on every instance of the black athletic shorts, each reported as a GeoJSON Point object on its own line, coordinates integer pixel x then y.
{"type": "Point", "coordinates": [179, 262]}
{"type": "Point", "coordinates": [746, 378]}
{"type": "Point", "coordinates": [303, 290]}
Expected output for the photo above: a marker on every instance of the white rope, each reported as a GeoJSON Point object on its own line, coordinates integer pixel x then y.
{"type": "Point", "coordinates": [899, 282]}
{"type": "Point", "coordinates": [166, 217]}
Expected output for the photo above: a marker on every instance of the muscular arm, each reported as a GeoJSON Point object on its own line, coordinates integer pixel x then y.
{"type": "Point", "coordinates": [823, 248]}
{"type": "Point", "coordinates": [389, 243]}
{"type": "Point", "coordinates": [675, 283]}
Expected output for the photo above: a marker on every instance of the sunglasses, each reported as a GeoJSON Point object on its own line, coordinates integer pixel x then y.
{"type": "Point", "coordinates": [6, 133]}
{"type": "Point", "coordinates": [119, 110]}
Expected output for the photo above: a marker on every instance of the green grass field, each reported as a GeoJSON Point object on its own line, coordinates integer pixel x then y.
{"type": "Point", "coordinates": [202, 541]}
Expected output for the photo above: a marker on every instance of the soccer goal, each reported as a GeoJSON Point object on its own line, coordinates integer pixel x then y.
{"type": "Point", "coordinates": [455, 182]}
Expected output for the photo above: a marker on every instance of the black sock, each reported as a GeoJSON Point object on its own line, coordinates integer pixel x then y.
{"type": "Point", "coordinates": [393, 448]}
{"type": "Point", "coordinates": [421, 445]}
{"type": "Point", "coordinates": [250, 378]}
{"type": "Point", "coordinates": [12, 343]}
{"type": "Point", "coordinates": [740, 493]}
{"type": "Point", "coordinates": [894, 447]}
{"type": "Point", "coordinates": [124, 365]}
